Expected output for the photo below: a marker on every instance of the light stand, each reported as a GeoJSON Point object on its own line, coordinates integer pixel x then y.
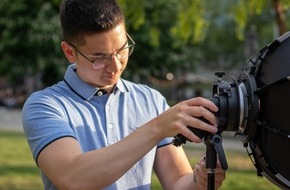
{"type": "Point", "coordinates": [214, 148]}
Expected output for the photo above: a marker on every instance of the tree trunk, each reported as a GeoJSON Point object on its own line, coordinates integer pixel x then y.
{"type": "Point", "coordinates": [279, 16]}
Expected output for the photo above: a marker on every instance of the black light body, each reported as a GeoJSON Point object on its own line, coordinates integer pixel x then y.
{"type": "Point", "coordinates": [256, 106]}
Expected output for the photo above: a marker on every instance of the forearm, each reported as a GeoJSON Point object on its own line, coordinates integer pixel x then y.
{"type": "Point", "coordinates": [110, 163]}
{"type": "Point", "coordinates": [186, 182]}
{"type": "Point", "coordinates": [99, 168]}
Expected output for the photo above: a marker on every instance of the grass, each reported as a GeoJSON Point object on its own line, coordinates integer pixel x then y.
{"type": "Point", "coordinates": [241, 173]}
{"type": "Point", "coordinates": [17, 168]}
{"type": "Point", "coordinates": [19, 172]}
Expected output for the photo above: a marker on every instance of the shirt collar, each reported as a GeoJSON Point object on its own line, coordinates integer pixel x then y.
{"type": "Point", "coordinates": [83, 89]}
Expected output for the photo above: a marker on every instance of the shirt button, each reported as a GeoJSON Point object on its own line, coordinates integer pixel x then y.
{"type": "Point", "coordinates": [100, 92]}
{"type": "Point", "coordinates": [111, 126]}
{"type": "Point", "coordinates": [108, 108]}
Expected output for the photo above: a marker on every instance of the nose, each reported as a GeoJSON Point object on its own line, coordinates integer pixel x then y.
{"type": "Point", "coordinates": [114, 64]}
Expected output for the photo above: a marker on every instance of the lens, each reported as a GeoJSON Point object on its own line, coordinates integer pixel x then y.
{"type": "Point", "coordinates": [99, 64]}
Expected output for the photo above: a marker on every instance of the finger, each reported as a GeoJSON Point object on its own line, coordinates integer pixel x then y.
{"type": "Point", "coordinates": [219, 168]}
{"type": "Point", "coordinates": [199, 101]}
{"type": "Point", "coordinates": [202, 124]}
{"type": "Point", "coordinates": [199, 116]}
{"type": "Point", "coordinates": [200, 181]}
{"type": "Point", "coordinates": [220, 177]}
{"type": "Point", "coordinates": [200, 111]}
{"type": "Point", "coordinates": [190, 135]}
{"type": "Point", "coordinates": [220, 173]}
{"type": "Point", "coordinates": [200, 171]}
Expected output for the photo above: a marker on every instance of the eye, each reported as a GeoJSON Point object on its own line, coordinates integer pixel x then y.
{"type": "Point", "coordinates": [124, 52]}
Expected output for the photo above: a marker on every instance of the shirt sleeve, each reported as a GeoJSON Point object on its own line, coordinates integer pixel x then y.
{"type": "Point", "coordinates": [43, 122]}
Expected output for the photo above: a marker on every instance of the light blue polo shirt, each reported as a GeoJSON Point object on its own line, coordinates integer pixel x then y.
{"type": "Point", "coordinates": [71, 108]}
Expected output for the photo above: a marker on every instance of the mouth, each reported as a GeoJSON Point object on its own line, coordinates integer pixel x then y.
{"type": "Point", "coordinates": [111, 76]}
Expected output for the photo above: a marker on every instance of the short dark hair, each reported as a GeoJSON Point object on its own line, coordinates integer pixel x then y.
{"type": "Point", "coordinates": [85, 17]}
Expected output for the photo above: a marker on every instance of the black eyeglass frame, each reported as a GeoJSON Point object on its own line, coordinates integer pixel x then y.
{"type": "Point", "coordinates": [109, 55]}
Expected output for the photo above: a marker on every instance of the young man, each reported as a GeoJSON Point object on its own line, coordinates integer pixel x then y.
{"type": "Point", "coordinates": [95, 130]}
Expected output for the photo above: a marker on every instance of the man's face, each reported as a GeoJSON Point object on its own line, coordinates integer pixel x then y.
{"type": "Point", "coordinates": [107, 71]}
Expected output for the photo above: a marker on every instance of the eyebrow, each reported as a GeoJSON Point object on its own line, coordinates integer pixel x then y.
{"type": "Point", "coordinates": [101, 54]}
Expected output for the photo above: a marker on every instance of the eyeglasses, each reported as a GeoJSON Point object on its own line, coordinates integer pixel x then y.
{"type": "Point", "coordinates": [103, 59]}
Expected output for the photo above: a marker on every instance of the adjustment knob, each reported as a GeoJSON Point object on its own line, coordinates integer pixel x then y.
{"type": "Point", "coordinates": [220, 74]}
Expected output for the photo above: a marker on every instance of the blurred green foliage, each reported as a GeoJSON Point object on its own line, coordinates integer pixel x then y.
{"type": "Point", "coordinates": [171, 36]}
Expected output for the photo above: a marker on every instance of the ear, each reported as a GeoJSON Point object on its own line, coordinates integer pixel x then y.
{"type": "Point", "coordinates": [69, 52]}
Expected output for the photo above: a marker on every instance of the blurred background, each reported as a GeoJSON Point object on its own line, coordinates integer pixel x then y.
{"type": "Point", "coordinates": [180, 44]}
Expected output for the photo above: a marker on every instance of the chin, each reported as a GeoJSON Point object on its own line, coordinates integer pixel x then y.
{"type": "Point", "coordinates": [106, 84]}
